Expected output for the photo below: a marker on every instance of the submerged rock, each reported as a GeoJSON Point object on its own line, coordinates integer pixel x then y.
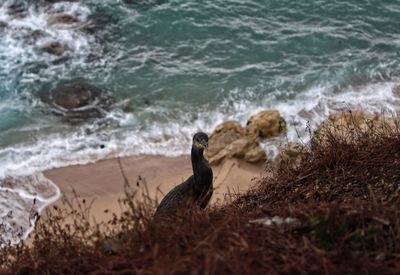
{"type": "Point", "coordinates": [98, 21]}
{"type": "Point", "coordinates": [3, 25]}
{"type": "Point", "coordinates": [46, 2]}
{"type": "Point", "coordinates": [17, 10]}
{"type": "Point", "coordinates": [54, 48]}
{"type": "Point", "coordinates": [64, 19]}
{"type": "Point", "coordinates": [396, 91]}
{"type": "Point", "coordinates": [78, 100]}
{"type": "Point", "coordinates": [229, 140]}
{"type": "Point", "coordinates": [144, 4]}
{"type": "Point", "coordinates": [266, 124]}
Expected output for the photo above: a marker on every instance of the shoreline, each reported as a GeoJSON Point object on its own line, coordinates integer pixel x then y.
{"type": "Point", "coordinates": [103, 182]}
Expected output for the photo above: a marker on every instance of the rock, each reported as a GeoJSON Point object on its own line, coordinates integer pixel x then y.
{"type": "Point", "coordinates": [229, 140]}
{"type": "Point", "coordinates": [3, 25]}
{"type": "Point", "coordinates": [38, 34]}
{"type": "Point", "coordinates": [64, 19]}
{"type": "Point", "coordinates": [144, 4]}
{"type": "Point", "coordinates": [47, 2]}
{"type": "Point", "coordinates": [266, 124]}
{"type": "Point", "coordinates": [349, 126]}
{"type": "Point", "coordinates": [396, 91]}
{"type": "Point", "coordinates": [223, 135]}
{"type": "Point", "coordinates": [78, 100]}
{"type": "Point", "coordinates": [17, 10]}
{"type": "Point", "coordinates": [54, 48]}
{"type": "Point", "coordinates": [291, 155]}
{"type": "Point", "coordinates": [98, 21]}
{"type": "Point", "coordinates": [254, 153]}
{"type": "Point", "coordinates": [32, 37]}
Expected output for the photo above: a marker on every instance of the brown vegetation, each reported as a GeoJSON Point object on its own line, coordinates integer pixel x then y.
{"type": "Point", "coordinates": [345, 197]}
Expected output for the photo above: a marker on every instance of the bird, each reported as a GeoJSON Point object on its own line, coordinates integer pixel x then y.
{"type": "Point", "coordinates": [197, 189]}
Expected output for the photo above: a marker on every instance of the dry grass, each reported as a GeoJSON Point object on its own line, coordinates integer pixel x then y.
{"type": "Point", "coordinates": [345, 197]}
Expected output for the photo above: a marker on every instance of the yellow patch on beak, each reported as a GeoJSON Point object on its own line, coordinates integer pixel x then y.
{"type": "Point", "coordinates": [199, 144]}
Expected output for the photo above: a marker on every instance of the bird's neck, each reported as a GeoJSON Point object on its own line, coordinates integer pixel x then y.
{"type": "Point", "coordinates": [200, 165]}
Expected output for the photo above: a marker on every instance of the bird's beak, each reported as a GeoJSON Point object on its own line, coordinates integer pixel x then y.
{"type": "Point", "coordinates": [202, 144]}
{"type": "Point", "coordinates": [205, 144]}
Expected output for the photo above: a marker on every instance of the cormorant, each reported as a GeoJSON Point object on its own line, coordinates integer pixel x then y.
{"type": "Point", "coordinates": [197, 189]}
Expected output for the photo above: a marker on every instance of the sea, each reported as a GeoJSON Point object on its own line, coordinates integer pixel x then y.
{"type": "Point", "coordinates": [174, 67]}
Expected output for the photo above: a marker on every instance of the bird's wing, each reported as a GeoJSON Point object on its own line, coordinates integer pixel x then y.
{"type": "Point", "coordinates": [177, 197]}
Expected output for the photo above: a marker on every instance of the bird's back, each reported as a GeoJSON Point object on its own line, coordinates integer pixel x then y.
{"type": "Point", "coordinates": [180, 196]}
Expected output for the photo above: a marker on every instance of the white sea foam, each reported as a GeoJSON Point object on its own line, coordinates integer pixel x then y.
{"type": "Point", "coordinates": [24, 191]}
{"type": "Point", "coordinates": [27, 33]}
{"type": "Point", "coordinates": [21, 200]}
{"type": "Point", "coordinates": [307, 110]}
{"type": "Point", "coordinates": [90, 142]}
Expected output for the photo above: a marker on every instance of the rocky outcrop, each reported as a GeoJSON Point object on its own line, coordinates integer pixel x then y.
{"type": "Point", "coordinates": [266, 124]}
{"type": "Point", "coordinates": [229, 140]}
{"type": "Point", "coordinates": [77, 100]}
{"type": "Point", "coordinates": [291, 156]}
{"type": "Point", "coordinates": [349, 126]}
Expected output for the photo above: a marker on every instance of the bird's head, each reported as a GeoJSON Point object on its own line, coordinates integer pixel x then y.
{"type": "Point", "coordinates": [200, 140]}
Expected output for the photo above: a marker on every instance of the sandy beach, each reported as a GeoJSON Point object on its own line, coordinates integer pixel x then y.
{"type": "Point", "coordinates": [103, 181]}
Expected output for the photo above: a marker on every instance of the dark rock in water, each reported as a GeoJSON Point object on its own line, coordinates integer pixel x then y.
{"type": "Point", "coordinates": [3, 25]}
{"type": "Point", "coordinates": [46, 2]}
{"type": "Point", "coordinates": [98, 21]}
{"type": "Point", "coordinates": [396, 91]}
{"type": "Point", "coordinates": [78, 100]}
{"type": "Point", "coordinates": [144, 4]}
{"type": "Point", "coordinates": [17, 10]}
{"type": "Point", "coordinates": [54, 48]}
{"type": "Point", "coordinates": [31, 37]}
{"type": "Point", "coordinates": [37, 34]}
{"type": "Point", "coordinates": [64, 19]}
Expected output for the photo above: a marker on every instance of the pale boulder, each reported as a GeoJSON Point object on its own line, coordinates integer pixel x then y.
{"type": "Point", "coordinates": [266, 124]}
{"type": "Point", "coordinates": [348, 126]}
{"type": "Point", "coordinates": [291, 156]}
{"type": "Point", "coordinates": [229, 140]}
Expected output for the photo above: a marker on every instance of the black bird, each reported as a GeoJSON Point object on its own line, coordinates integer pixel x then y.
{"type": "Point", "coordinates": [197, 189]}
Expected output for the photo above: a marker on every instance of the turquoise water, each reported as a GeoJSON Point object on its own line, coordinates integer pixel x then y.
{"type": "Point", "coordinates": [176, 67]}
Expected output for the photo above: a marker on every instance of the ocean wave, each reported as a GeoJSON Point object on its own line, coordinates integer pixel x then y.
{"type": "Point", "coordinates": [90, 143]}
{"type": "Point", "coordinates": [22, 199]}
